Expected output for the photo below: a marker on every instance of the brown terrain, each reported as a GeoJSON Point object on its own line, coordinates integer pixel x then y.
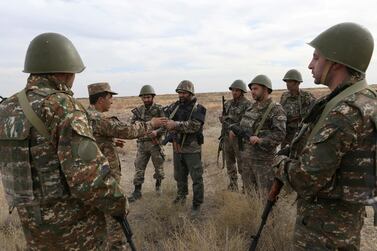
{"type": "Point", "coordinates": [227, 219]}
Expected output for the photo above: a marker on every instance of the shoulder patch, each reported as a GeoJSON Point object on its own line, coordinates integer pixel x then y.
{"type": "Point", "coordinates": [87, 149]}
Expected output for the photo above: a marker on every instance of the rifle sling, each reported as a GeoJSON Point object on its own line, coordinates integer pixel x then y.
{"type": "Point", "coordinates": [185, 135]}
{"type": "Point", "coordinates": [33, 118]}
{"type": "Point", "coordinates": [335, 101]}
{"type": "Point", "coordinates": [264, 117]}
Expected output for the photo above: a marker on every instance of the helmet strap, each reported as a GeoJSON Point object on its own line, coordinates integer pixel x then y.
{"type": "Point", "coordinates": [325, 73]}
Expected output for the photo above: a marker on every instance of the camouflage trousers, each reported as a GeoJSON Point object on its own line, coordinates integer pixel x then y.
{"type": "Point", "coordinates": [328, 225]}
{"type": "Point", "coordinates": [65, 225]}
{"type": "Point", "coordinates": [115, 236]}
{"type": "Point", "coordinates": [145, 151]}
{"type": "Point", "coordinates": [185, 164]}
{"type": "Point", "coordinates": [257, 173]}
{"type": "Point", "coordinates": [233, 158]}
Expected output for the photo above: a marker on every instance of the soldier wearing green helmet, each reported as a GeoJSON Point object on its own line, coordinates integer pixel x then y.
{"type": "Point", "coordinates": [64, 183]}
{"type": "Point", "coordinates": [148, 146]}
{"type": "Point", "coordinates": [296, 103]}
{"type": "Point", "coordinates": [331, 164]}
{"type": "Point", "coordinates": [265, 122]}
{"type": "Point", "coordinates": [234, 110]}
{"type": "Point", "coordinates": [185, 126]}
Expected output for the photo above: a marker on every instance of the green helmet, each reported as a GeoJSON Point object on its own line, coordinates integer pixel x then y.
{"type": "Point", "coordinates": [187, 86]}
{"type": "Point", "coordinates": [52, 53]}
{"type": "Point", "coordinates": [147, 90]}
{"type": "Point", "coordinates": [238, 84]}
{"type": "Point", "coordinates": [262, 80]}
{"type": "Point", "coordinates": [293, 74]}
{"type": "Point", "coordinates": [349, 44]}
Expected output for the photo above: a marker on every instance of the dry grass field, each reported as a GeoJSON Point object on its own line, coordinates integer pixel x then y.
{"type": "Point", "coordinates": [227, 219]}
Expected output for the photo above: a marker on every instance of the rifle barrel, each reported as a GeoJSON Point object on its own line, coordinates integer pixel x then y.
{"type": "Point", "coordinates": [272, 198]}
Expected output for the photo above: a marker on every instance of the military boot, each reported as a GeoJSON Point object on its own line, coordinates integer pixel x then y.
{"type": "Point", "coordinates": [195, 210]}
{"type": "Point", "coordinates": [179, 200]}
{"type": "Point", "coordinates": [158, 186]}
{"type": "Point", "coordinates": [136, 194]}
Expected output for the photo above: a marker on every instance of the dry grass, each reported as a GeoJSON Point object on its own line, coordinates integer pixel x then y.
{"type": "Point", "coordinates": [227, 219]}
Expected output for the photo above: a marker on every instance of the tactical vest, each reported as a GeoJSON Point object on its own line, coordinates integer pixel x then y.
{"type": "Point", "coordinates": [355, 180]}
{"type": "Point", "coordinates": [30, 168]}
{"type": "Point", "coordinates": [184, 112]}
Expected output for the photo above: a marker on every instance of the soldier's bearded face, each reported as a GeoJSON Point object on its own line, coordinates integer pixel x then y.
{"type": "Point", "coordinates": [317, 65]}
{"type": "Point", "coordinates": [147, 100]}
{"type": "Point", "coordinates": [184, 97]}
{"type": "Point", "coordinates": [236, 93]}
{"type": "Point", "coordinates": [258, 92]}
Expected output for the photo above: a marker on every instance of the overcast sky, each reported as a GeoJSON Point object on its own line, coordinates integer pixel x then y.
{"type": "Point", "coordinates": [161, 42]}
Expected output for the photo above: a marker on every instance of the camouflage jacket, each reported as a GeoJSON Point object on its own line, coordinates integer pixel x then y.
{"type": "Point", "coordinates": [67, 165]}
{"type": "Point", "coordinates": [272, 132]}
{"type": "Point", "coordinates": [296, 107]}
{"type": "Point", "coordinates": [338, 161]}
{"type": "Point", "coordinates": [234, 110]}
{"type": "Point", "coordinates": [105, 129]}
{"type": "Point", "coordinates": [189, 129]}
{"type": "Point", "coordinates": [144, 114]}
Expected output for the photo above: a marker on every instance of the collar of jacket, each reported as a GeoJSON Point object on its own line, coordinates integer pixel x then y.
{"type": "Point", "coordinates": [49, 81]}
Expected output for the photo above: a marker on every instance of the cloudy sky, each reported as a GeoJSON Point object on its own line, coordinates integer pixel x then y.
{"type": "Point", "coordinates": [130, 43]}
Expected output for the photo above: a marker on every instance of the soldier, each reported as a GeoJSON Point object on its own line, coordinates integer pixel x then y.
{"type": "Point", "coordinates": [148, 146]}
{"type": "Point", "coordinates": [265, 121]}
{"type": "Point", "coordinates": [52, 170]}
{"type": "Point", "coordinates": [234, 110]}
{"type": "Point", "coordinates": [105, 129]}
{"type": "Point", "coordinates": [186, 119]}
{"type": "Point", "coordinates": [332, 164]}
{"type": "Point", "coordinates": [296, 103]}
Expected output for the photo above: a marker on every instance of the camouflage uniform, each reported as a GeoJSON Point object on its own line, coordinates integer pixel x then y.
{"type": "Point", "coordinates": [146, 148]}
{"type": "Point", "coordinates": [105, 129]}
{"type": "Point", "coordinates": [188, 159]}
{"type": "Point", "coordinates": [234, 110]}
{"type": "Point", "coordinates": [62, 185]}
{"type": "Point", "coordinates": [330, 172]}
{"type": "Point", "coordinates": [257, 171]}
{"type": "Point", "coordinates": [296, 107]}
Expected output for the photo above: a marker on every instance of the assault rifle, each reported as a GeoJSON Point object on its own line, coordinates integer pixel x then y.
{"type": "Point", "coordinates": [155, 141]}
{"type": "Point", "coordinates": [172, 138]}
{"type": "Point", "coordinates": [271, 200]}
{"type": "Point", "coordinates": [126, 230]}
{"type": "Point", "coordinates": [241, 134]}
{"type": "Point", "coordinates": [221, 138]}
